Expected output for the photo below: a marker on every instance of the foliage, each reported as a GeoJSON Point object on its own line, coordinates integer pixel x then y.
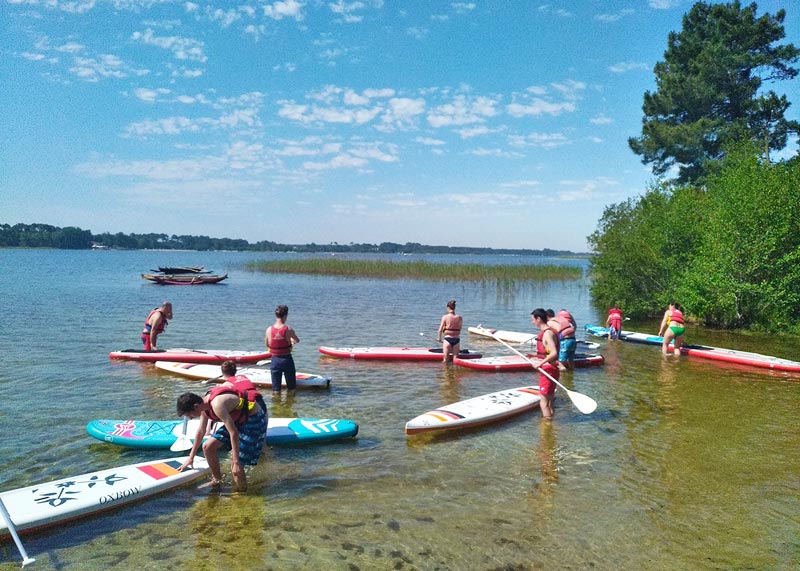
{"type": "Point", "coordinates": [46, 236]}
{"type": "Point", "coordinates": [729, 253]}
{"type": "Point", "coordinates": [417, 270]}
{"type": "Point", "coordinates": [708, 90]}
{"type": "Point", "coordinates": [747, 272]}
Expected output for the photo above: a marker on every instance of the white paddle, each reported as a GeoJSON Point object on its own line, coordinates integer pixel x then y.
{"type": "Point", "coordinates": [183, 442]}
{"type": "Point", "coordinates": [10, 524]}
{"type": "Point", "coordinates": [586, 405]}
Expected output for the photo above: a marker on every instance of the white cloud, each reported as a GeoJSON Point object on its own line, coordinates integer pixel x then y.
{"type": "Point", "coordinates": [346, 11]}
{"type": "Point", "coordinates": [463, 111]}
{"type": "Point", "coordinates": [417, 32]}
{"type": "Point", "coordinates": [287, 9]}
{"type": "Point", "coordinates": [103, 66]}
{"type": "Point", "coordinates": [463, 7]}
{"type": "Point", "coordinates": [429, 141]}
{"type": "Point", "coordinates": [614, 17]}
{"type": "Point", "coordinates": [540, 140]}
{"type": "Point", "coordinates": [624, 66]}
{"type": "Point", "coordinates": [538, 106]}
{"type": "Point", "coordinates": [601, 120]}
{"type": "Point", "coordinates": [181, 48]}
{"type": "Point", "coordinates": [149, 95]}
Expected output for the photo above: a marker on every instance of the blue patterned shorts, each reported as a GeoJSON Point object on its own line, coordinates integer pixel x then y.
{"type": "Point", "coordinates": [251, 438]}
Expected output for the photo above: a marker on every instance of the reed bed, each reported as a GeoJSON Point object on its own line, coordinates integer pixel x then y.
{"type": "Point", "coordinates": [417, 270]}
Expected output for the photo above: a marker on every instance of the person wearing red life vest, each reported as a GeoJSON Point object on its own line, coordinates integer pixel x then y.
{"type": "Point", "coordinates": [279, 339]}
{"type": "Point", "coordinates": [547, 351]}
{"type": "Point", "coordinates": [154, 325]}
{"type": "Point", "coordinates": [614, 322]}
{"type": "Point", "coordinates": [240, 408]}
{"type": "Point", "coordinates": [564, 325]}
{"type": "Point", "coordinates": [672, 328]}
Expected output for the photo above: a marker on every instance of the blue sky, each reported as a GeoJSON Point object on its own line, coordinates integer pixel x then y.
{"type": "Point", "coordinates": [500, 124]}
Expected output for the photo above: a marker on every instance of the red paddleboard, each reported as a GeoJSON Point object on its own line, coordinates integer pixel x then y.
{"type": "Point", "coordinates": [517, 363]}
{"type": "Point", "coordinates": [393, 353]}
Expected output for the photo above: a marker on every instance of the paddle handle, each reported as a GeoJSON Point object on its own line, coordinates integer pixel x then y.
{"type": "Point", "coordinates": [12, 528]}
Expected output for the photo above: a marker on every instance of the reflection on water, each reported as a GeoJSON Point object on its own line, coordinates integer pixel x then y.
{"type": "Point", "coordinates": [684, 465]}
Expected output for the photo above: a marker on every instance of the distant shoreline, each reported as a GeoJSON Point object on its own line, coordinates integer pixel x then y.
{"type": "Point", "coordinates": [72, 238]}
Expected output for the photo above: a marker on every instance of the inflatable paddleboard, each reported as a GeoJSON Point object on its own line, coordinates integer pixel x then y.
{"type": "Point", "coordinates": [399, 353]}
{"type": "Point", "coordinates": [477, 411]}
{"type": "Point", "coordinates": [711, 353]}
{"type": "Point", "coordinates": [51, 503]}
{"type": "Point", "coordinates": [259, 377]}
{"type": "Point", "coordinates": [518, 337]}
{"type": "Point", "coordinates": [217, 356]}
{"type": "Point", "coordinates": [517, 363]}
{"type": "Point", "coordinates": [161, 434]}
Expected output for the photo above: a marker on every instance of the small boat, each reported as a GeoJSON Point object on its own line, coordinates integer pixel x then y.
{"type": "Point", "coordinates": [184, 279]}
{"type": "Point", "coordinates": [181, 269]}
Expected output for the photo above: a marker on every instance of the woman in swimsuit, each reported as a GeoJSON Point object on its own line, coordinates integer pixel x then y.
{"type": "Point", "coordinates": [449, 334]}
{"type": "Point", "coordinates": [672, 327]}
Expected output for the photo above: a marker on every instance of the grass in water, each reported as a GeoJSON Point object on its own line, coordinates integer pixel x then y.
{"type": "Point", "coordinates": [416, 270]}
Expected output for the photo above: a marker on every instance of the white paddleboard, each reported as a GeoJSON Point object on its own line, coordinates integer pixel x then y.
{"type": "Point", "coordinates": [45, 505]}
{"type": "Point", "coordinates": [477, 411]}
{"type": "Point", "coordinates": [518, 337]}
{"type": "Point", "coordinates": [259, 377]}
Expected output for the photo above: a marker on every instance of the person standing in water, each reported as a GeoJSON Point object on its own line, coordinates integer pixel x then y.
{"type": "Point", "coordinates": [280, 339]}
{"type": "Point", "coordinates": [449, 334]}
{"type": "Point", "coordinates": [672, 327]}
{"type": "Point", "coordinates": [547, 347]}
{"type": "Point", "coordinates": [154, 325]}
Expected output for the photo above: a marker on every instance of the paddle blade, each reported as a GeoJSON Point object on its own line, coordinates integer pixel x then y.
{"type": "Point", "coordinates": [587, 405]}
{"type": "Point", "coordinates": [181, 444]}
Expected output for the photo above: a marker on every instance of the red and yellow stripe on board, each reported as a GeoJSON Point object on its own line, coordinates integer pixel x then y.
{"type": "Point", "coordinates": [444, 415]}
{"type": "Point", "coordinates": [530, 390]}
{"type": "Point", "coordinates": [161, 469]}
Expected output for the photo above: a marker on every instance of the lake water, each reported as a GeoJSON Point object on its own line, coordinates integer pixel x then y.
{"type": "Point", "coordinates": [685, 464]}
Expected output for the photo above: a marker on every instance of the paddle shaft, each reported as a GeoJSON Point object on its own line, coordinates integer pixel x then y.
{"type": "Point", "coordinates": [11, 528]}
{"type": "Point", "coordinates": [583, 403]}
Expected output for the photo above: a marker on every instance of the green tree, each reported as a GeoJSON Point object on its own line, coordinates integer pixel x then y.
{"type": "Point", "coordinates": [643, 246]}
{"type": "Point", "coordinates": [747, 269]}
{"type": "Point", "coordinates": [708, 90]}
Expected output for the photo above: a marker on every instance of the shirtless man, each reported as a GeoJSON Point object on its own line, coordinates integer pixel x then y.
{"type": "Point", "coordinates": [449, 334]}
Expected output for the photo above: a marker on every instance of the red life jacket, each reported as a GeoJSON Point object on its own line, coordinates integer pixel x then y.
{"type": "Point", "coordinates": [541, 351]}
{"type": "Point", "coordinates": [279, 344]}
{"type": "Point", "coordinates": [676, 316]}
{"type": "Point", "coordinates": [616, 316]}
{"type": "Point", "coordinates": [567, 325]}
{"type": "Point", "coordinates": [248, 397]}
{"type": "Point", "coordinates": [147, 327]}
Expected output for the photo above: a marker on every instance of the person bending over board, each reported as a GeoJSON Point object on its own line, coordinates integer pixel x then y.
{"type": "Point", "coordinates": [547, 351]}
{"type": "Point", "coordinates": [672, 327]}
{"type": "Point", "coordinates": [449, 334]}
{"type": "Point", "coordinates": [243, 413]}
{"type": "Point", "coordinates": [154, 325]}
{"type": "Point", "coordinates": [279, 339]}
{"type": "Point", "coordinates": [614, 322]}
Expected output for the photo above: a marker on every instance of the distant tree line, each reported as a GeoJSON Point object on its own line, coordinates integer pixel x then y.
{"type": "Point", "coordinates": [71, 238]}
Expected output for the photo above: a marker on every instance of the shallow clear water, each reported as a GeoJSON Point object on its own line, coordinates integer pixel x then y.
{"type": "Point", "coordinates": [685, 464]}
